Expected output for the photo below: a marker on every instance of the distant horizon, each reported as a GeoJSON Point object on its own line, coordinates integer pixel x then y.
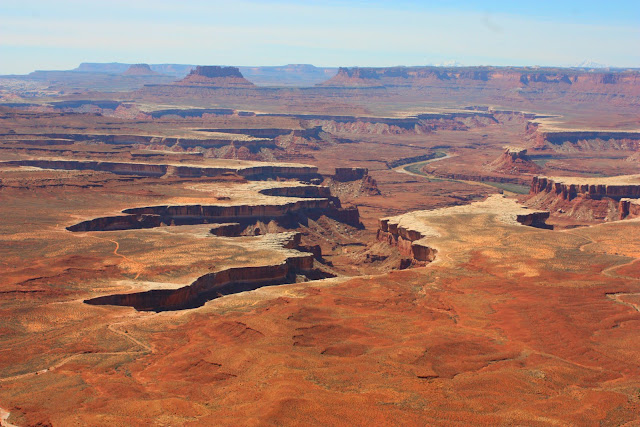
{"type": "Point", "coordinates": [44, 35]}
{"type": "Point", "coordinates": [151, 64]}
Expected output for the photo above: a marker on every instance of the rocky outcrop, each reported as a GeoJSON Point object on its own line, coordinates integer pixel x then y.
{"type": "Point", "coordinates": [408, 241]}
{"type": "Point", "coordinates": [154, 216]}
{"type": "Point", "coordinates": [415, 124]}
{"type": "Point", "coordinates": [353, 182]}
{"type": "Point", "coordinates": [629, 208]}
{"type": "Point", "coordinates": [232, 229]}
{"type": "Point", "coordinates": [350, 174]}
{"type": "Point", "coordinates": [140, 70]}
{"type": "Point", "coordinates": [514, 161]}
{"type": "Point", "coordinates": [216, 76]}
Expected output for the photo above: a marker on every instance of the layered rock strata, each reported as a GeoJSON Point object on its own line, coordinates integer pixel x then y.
{"type": "Point", "coordinates": [504, 77]}
{"type": "Point", "coordinates": [210, 140]}
{"type": "Point", "coordinates": [588, 199]}
{"type": "Point", "coordinates": [546, 136]}
{"type": "Point", "coordinates": [409, 241]}
{"type": "Point", "coordinates": [250, 171]}
{"type": "Point", "coordinates": [568, 188]}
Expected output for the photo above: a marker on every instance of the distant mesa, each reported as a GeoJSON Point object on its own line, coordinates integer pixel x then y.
{"type": "Point", "coordinates": [213, 75]}
{"type": "Point", "coordinates": [497, 78]}
{"type": "Point", "coordinates": [140, 70]}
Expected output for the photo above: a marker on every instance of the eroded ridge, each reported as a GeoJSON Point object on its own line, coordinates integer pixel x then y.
{"type": "Point", "coordinates": [278, 201]}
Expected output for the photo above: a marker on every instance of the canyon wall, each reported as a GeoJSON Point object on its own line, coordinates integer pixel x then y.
{"type": "Point", "coordinates": [219, 141]}
{"type": "Point", "coordinates": [587, 199]}
{"type": "Point", "coordinates": [583, 140]}
{"type": "Point", "coordinates": [556, 79]}
{"type": "Point", "coordinates": [158, 170]}
{"type": "Point", "coordinates": [570, 188]}
{"type": "Point", "coordinates": [408, 241]}
{"type": "Point", "coordinates": [214, 285]}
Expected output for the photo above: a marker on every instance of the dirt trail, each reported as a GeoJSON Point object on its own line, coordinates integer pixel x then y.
{"type": "Point", "coordinates": [124, 257]}
{"type": "Point", "coordinates": [609, 271]}
{"type": "Point", "coordinates": [144, 349]}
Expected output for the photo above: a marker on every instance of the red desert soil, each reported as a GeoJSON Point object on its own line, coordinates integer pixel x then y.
{"type": "Point", "coordinates": [512, 324]}
{"type": "Point", "coordinates": [191, 253]}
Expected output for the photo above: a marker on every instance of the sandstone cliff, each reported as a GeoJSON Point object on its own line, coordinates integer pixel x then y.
{"type": "Point", "coordinates": [551, 79]}
{"type": "Point", "coordinates": [582, 139]}
{"type": "Point", "coordinates": [586, 199]}
{"type": "Point", "coordinates": [569, 188]}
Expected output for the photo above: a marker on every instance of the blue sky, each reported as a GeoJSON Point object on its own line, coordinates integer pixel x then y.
{"type": "Point", "coordinates": [46, 34]}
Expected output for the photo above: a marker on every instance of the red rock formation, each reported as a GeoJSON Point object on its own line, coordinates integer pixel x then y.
{"type": "Point", "coordinates": [588, 140]}
{"type": "Point", "coordinates": [587, 199]}
{"type": "Point", "coordinates": [514, 161]}
{"type": "Point", "coordinates": [216, 76]}
{"type": "Point", "coordinates": [405, 239]}
{"type": "Point", "coordinates": [353, 182]}
{"type": "Point", "coordinates": [629, 208]}
{"type": "Point", "coordinates": [570, 188]}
